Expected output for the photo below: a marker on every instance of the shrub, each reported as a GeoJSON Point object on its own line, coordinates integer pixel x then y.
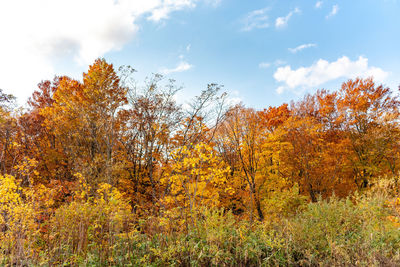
{"type": "Point", "coordinates": [88, 226]}
{"type": "Point", "coordinates": [340, 232]}
{"type": "Point", "coordinates": [21, 211]}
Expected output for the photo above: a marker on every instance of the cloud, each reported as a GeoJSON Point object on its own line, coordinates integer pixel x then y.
{"type": "Point", "coordinates": [318, 4]}
{"type": "Point", "coordinates": [281, 22]}
{"type": "Point", "coordinates": [213, 3]}
{"type": "Point", "coordinates": [256, 19]}
{"type": "Point", "coordinates": [234, 98]}
{"type": "Point", "coordinates": [323, 71]}
{"type": "Point", "coordinates": [264, 65]}
{"type": "Point", "coordinates": [333, 12]}
{"type": "Point", "coordinates": [41, 33]}
{"type": "Point", "coordinates": [162, 9]}
{"type": "Point", "coordinates": [301, 47]}
{"type": "Point", "coordinates": [279, 62]}
{"type": "Point", "coordinates": [182, 66]}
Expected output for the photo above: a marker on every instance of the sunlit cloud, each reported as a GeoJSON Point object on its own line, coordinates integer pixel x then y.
{"type": "Point", "coordinates": [39, 33]}
{"type": "Point", "coordinates": [324, 71]}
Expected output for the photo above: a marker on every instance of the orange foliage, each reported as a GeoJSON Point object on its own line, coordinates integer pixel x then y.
{"type": "Point", "coordinates": [161, 155]}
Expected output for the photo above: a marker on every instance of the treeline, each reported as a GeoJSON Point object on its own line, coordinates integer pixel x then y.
{"type": "Point", "coordinates": [118, 154]}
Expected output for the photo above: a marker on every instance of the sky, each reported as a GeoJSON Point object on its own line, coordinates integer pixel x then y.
{"type": "Point", "coordinates": [264, 52]}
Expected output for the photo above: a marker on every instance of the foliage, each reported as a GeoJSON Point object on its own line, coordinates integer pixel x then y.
{"type": "Point", "coordinates": [197, 178]}
{"type": "Point", "coordinates": [104, 171]}
{"type": "Point", "coordinates": [337, 232]}
{"type": "Point", "coordinates": [22, 211]}
{"type": "Point", "coordinates": [89, 224]}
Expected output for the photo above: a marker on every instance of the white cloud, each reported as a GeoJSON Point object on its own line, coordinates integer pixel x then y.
{"type": "Point", "coordinates": [256, 19]}
{"type": "Point", "coordinates": [233, 101]}
{"type": "Point", "coordinates": [301, 47]}
{"type": "Point", "coordinates": [188, 47]}
{"type": "Point", "coordinates": [182, 66]}
{"type": "Point", "coordinates": [234, 98]}
{"type": "Point", "coordinates": [213, 3]}
{"type": "Point", "coordinates": [281, 22]}
{"type": "Point", "coordinates": [333, 12]}
{"type": "Point", "coordinates": [37, 34]}
{"type": "Point", "coordinates": [264, 65]}
{"type": "Point", "coordinates": [323, 71]}
{"type": "Point", "coordinates": [162, 9]}
{"type": "Point", "coordinates": [279, 62]}
{"type": "Point", "coordinates": [318, 4]}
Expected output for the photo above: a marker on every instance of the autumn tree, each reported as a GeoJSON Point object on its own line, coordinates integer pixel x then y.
{"type": "Point", "coordinates": [84, 116]}
{"type": "Point", "coordinates": [39, 140]}
{"type": "Point", "coordinates": [369, 115]}
{"type": "Point", "coordinates": [241, 142]}
{"type": "Point", "coordinates": [196, 178]}
{"type": "Point", "coordinates": [147, 125]}
{"type": "Point", "coordinates": [9, 153]}
{"type": "Point", "coordinates": [312, 148]}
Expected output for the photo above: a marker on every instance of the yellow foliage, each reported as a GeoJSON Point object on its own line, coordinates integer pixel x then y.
{"type": "Point", "coordinates": [90, 220]}
{"type": "Point", "coordinates": [197, 177]}
{"type": "Point", "coordinates": [20, 212]}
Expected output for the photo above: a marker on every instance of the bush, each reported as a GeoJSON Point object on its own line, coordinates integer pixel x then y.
{"type": "Point", "coordinates": [98, 228]}
{"type": "Point", "coordinates": [88, 226]}
{"type": "Point", "coordinates": [216, 239]}
{"type": "Point", "coordinates": [21, 211]}
{"type": "Point", "coordinates": [340, 232]}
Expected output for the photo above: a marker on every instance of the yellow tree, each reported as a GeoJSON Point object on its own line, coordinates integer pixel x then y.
{"type": "Point", "coordinates": [196, 178]}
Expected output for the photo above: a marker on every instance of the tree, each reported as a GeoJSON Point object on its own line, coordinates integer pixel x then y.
{"type": "Point", "coordinates": [39, 140]}
{"type": "Point", "coordinates": [369, 115]}
{"type": "Point", "coordinates": [84, 116]}
{"type": "Point", "coordinates": [146, 131]}
{"type": "Point", "coordinates": [241, 141]}
{"type": "Point", "coordinates": [196, 178]}
{"type": "Point", "coordinates": [9, 152]}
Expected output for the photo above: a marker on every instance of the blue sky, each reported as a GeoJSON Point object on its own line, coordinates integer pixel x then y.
{"type": "Point", "coordinates": [263, 52]}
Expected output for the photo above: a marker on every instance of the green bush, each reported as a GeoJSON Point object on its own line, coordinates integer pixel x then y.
{"type": "Point", "coordinates": [343, 232]}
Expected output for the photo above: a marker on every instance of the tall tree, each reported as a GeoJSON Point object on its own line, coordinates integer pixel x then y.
{"type": "Point", "coordinates": [369, 116]}
{"type": "Point", "coordinates": [242, 136]}
{"type": "Point", "coordinates": [8, 133]}
{"type": "Point", "coordinates": [84, 116]}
